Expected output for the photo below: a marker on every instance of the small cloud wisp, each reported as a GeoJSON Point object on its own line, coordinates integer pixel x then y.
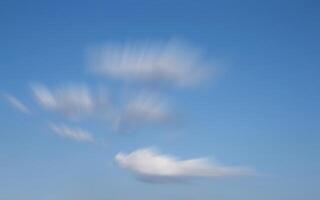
{"type": "Point", "coordinates": [76, 134]}
{"type": "Point", "coordinates": [144, 110]}
{"type": "Point", "coordinates": [73, 101]}
{"type": "Point", "coordinates": [16, 103]}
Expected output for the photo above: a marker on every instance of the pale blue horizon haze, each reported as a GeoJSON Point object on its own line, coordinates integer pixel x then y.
{"type": "Point", "coordinates": [247, 107]}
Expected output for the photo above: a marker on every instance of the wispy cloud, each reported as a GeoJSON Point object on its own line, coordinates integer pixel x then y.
{"type": "Point", "coordinates": [16, 103]}
{"type": "Point", "coordinates": [149, 165]}
{"type": "Point", "coordinates": [71, 133]}
{"type": "Point", "coordinates": [171, 62]}
{"type": "Point", "coordinates": [73, 101]}
{"type": "Point", "coordinates": [143, 110]}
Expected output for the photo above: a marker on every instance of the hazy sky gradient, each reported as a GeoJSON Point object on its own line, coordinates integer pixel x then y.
{"type": "Point", "coordinates": [260, 111]}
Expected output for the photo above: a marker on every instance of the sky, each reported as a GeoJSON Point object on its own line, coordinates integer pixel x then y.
{"type": "Point", "coordinates": [159, 100]}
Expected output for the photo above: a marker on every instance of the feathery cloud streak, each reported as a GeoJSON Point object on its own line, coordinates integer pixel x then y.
{"type": "Point", "coordinates": [143, 110]}
{"type": "Point", "coordinates": [76, 134]}
{"type": "Point", "coordinates": [73, 101]}
{"type": "Point", "coordinates": [152, 166]}
{"type": "Point", "coordinates": [172, 62]}
{"type": "Point", "coordinates": [16, 103]}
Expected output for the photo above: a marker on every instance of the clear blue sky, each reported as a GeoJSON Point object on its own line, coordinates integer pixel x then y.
{"type": "Point", "coordinates": [263, 111]}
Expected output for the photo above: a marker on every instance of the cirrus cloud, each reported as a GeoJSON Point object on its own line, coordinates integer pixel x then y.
{"type": "Point", "coordinates": [16, 103]}
{"type": "Point", "coordinates": [143, 110]}
{"type": "Point", "coordinates": [76, 134]}
{"type": "Point", "coordinates": [172, 62]}
{"type": "Point", "coordinates": [150, 165]}
{"type": "Point", "coordinates": [73, 101]}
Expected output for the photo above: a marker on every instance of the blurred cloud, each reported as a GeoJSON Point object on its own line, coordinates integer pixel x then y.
{"type": "Point", "coordinates": [151, 166]}
{"type": "Point", "coordinates": [73, 101]}
{"type": "Point", "coordinates": [143, 110]}
{"type": "Point", "coordinates": [71, 133]}
{"type": "Point", "coordinates": [173, 62]}
{"type": "Point", "coordinates": [139, 110]}
{"type": "Point", "coordinates": [16, 103]}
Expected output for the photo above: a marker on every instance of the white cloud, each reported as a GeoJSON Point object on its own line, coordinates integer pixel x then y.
{"type": "Point", "coordinates": [143, 110]}
{"type": "Point", "coordinates": [76, 101]}
{"type": "Point", "coordinates": [16, 103]}
{"type": "Point", "coordinates": [150, 165]}
{"type": "Point", "coordinates": [72, 100]}
{"type": "Point", "coordinates": [71, 133]}
{"type": "Point", "coordinates": [172, 62]}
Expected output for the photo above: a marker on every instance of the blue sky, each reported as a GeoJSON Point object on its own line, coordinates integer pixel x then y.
{"type": "Point", "coordinates": [253, 109]}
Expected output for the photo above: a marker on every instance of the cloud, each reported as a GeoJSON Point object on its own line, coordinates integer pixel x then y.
{"type": "Point", "coordinates": [77, 101]}
{"type": "Point", "coordinates": [73, 101]}
{"type": "Point", "coordinates": [71, 133]}
{"type": "Point", "coordinates": [143, 110]}
{"type": "Point", "coordinates": [172, 62]}
{"type": "Point", "coordinates": [152, 166]}
{"type": "Point", "coordinates": [16, 103]}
